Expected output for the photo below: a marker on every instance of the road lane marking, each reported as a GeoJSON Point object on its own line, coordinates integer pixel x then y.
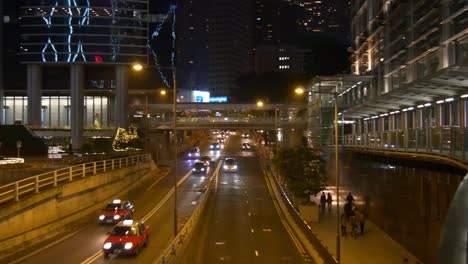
{"type": "Point", "coordinates": [249, 214]}
{"type": "Point", "coordinates": [98, 254]}
{"type": "Point", "coordinates": [158, 180]}
{"type": "Point", "coordinates": [252, 230]}
{"type": "Point", "coordinates": [184, 178]}
{"type": "Point", "coordinates": [256, 253]}
{"type": "Point", "coordinates": [266, 230]}
{"type": "Point", "coordinates": [220, 243]}
{"type": "Point", "coordinates": [46, 247]}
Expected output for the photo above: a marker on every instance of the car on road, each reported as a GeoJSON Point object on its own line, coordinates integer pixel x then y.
{"type": "Point", "coordinates": [116, 211]}
{"type": "Point", "coordinates": [199, 167]}
{"type": "Point", "coordinates": [193, 153]}
{"type": "Point", "coordinates": [215, 146]}
{"type": "Point", "coordinates": [206, 159]}
{"type": "Point", "coordinates": [246, 146]}
{"type": "Point", "coordinates": [230, 165]}
{"type": "Point", "coordinates": [127, 238]}
{"type": "Point", "coordinates": [245, 135]}
{"type": "Point", "coordinates": [220, 140]}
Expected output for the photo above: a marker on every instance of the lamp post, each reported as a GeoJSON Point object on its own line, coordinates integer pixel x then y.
{"type": "Point", "coordinates": [138, 67]}
{"type": "Point", "coordinates": [337, 182]}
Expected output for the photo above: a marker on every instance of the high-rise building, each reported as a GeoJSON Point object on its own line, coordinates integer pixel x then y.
{"type": "Point", "coordinates": [328, 16]}
{"type": "Point", "coordinates": [400, 42]}
{"type": "Point", "coordinates": [280, 58]}
{"type": "Point", "coordinates": [92, 42]}
{"type": "Point", "coordinates": [192, 45]}
{"type": "Point", "coordinates": [230, 44]}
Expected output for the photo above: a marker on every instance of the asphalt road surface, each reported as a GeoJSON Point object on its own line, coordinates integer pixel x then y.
{"type": "Point", "coordinates": [241, 224]}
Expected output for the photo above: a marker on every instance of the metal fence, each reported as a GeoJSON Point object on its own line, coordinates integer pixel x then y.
{"type": "Point", "coordinates": [14, 191]}
{"type": "Point", "coordinates": [450, 141]}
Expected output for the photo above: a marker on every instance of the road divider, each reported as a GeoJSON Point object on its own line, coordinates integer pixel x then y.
{"type": "Point", "coordinates": [177, 246]}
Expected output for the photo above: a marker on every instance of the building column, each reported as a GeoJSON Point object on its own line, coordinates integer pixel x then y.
{"type": "Point", "coordinates": [121, 97]}
{"type": "Point", "coordinates": [34, 85]}
{"type": "Point", "coordinates": [447, 51]}
{"type": "Point", "coordinates": [77, 104]}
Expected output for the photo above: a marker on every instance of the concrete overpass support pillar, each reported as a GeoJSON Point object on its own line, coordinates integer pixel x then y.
{"type": "Point", "coordinates": [77, 104]}
{"type": "Point", "coordinates": [34, 84]}
{"type": "Point", "coordinates": [121, 97]}
{"type": "Point", "coordinates": [292, 138]}
{"type": "Point", "coordinates": [447, 51]}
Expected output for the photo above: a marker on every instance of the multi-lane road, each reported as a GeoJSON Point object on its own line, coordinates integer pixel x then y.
{"type": "Point", "coordinates": [240, 224]}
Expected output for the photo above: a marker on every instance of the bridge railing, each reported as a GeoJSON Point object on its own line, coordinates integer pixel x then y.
{"type": "Point", "coordinates": [449, 141]}
{"type": "Point", "coordinates": [15, 190]}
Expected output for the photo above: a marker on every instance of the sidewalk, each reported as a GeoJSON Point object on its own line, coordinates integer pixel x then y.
{"type": "Point", "coordinates": [375, 247]}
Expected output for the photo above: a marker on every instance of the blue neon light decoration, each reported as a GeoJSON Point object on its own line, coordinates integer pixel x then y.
{"type": "Point", "coordinates": [170, 16]}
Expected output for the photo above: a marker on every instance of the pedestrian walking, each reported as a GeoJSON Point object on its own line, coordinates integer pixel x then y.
{"type": "Point", "coordinates": [329, 201]}
{"type": "Point", "coordinates": [323, 201]}
{"type": "Point", "coordinates": [348, 209]}
{"type": "Point", "coordinates": [350, 198]}
{"type": "Point", "coordinates": [361, 218]}
{"type": "Point", "coordinates": [344, 222]}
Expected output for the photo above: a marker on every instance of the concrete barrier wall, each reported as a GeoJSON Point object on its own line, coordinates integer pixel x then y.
{"type": "Point", "coordinates": [53, 211]}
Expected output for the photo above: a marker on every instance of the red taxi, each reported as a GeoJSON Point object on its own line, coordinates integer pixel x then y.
{"type": "Point", "coordinates": [115, 212]}
{"type": "Point", "coordinates": [127, 237]}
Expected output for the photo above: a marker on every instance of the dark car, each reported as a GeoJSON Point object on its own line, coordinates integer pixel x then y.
{"type": "Point", "coordinates": [246, 146]}
{"type": "Point", "coordinates": [127, 237]}
{"type": "Point", "coordinates": [206, 160]}
{"type": "Point", "coordinates": [199, 167]}
{"type": "Point", "coordinates": [116, 211]}
{"type": "Point", "coordinates": [193, 153]}
{"type": "Point", "coordinates": [215, 146]}
{"type": "Point", "coordinates": [230, 165]}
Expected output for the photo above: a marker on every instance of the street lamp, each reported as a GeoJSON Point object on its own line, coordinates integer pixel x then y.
{"type": "Point", "coordinates": [299, 90]}
{"type": "Point", "coordinates": [138, 67]}
{"type": "Point", "coordinates": [260, 103]}
{"type": "Point", "coordinates": [163, 92]}
{"type": "Point", "coordinates": [338, 238]}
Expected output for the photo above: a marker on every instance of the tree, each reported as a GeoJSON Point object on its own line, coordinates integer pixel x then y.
{"type": "Point", "coordinates": [302, 169]}
{"type": "Point", "coordinates": [121, 140]}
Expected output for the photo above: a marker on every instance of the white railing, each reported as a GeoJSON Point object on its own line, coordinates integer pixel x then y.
{"type": "Point", "coordinates": [14, 191]}
{"type": "Point", "coordinates": [176, 247]}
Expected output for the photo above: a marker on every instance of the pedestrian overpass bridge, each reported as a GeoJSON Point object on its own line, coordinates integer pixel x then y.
{"type": "Point", "coordinates": [220, 116]}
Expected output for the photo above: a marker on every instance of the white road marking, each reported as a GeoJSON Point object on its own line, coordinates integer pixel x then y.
{"type": "Point", "coordinates": [256, 253]}
{"type": "Point", "coordinates": [220, 243]}
{"type": "Point", "coordinates": [266, 230]}
{"type": "Point", "coordinates": [252, 230]}
{"type": "Point", "coordinates": [249, 214]}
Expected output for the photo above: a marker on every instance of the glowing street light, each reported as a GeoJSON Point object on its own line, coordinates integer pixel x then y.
{"type": "Point", "coordinates": [299, 90]}
{"type": "Point", "coordinates": [163, 92]}
{"type": "Point", "coordinates": [137, 67]}
{"type": "Point", "coordinates": [260, 103]}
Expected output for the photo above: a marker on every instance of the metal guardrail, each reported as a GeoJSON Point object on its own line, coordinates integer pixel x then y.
{"type": "Point", "coordinates": [14, 191]}
{"type": "Point", "coordinates": [449, 141]}
{"type": "Point", "coordinates": [172, 252]}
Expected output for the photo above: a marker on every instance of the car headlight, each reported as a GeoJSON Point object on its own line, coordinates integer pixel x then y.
{"type": "Point", "coordinates": [128, 245]}
{"type": "Point", "coordinates": [194, 169]}
{"type": "Point", "coordinates": [211, 146]}
{"type": "Point", "coordinates": [202, 169]}
{"type": "Point", "coordinates": [116, 217]}
{"type": "Point", "coordinates": [225, 167]}
{"type": "Point", "coordinates": [101, 217]}
{"type": "Point", "coordinates": [107, 245]}
{"type": "Point", "coordinates": [234, 167]}
{"type": "Point", "coordinates": [190, 155]}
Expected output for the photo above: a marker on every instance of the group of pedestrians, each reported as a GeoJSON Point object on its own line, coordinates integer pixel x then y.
{"type": "Point", "coordinates": [324, 200]}
{"type": "Point", "coordinates": [352, 219]}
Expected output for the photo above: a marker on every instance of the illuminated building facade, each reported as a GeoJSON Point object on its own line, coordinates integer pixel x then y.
{"type": "Point", "coordinates": [93, 42]}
